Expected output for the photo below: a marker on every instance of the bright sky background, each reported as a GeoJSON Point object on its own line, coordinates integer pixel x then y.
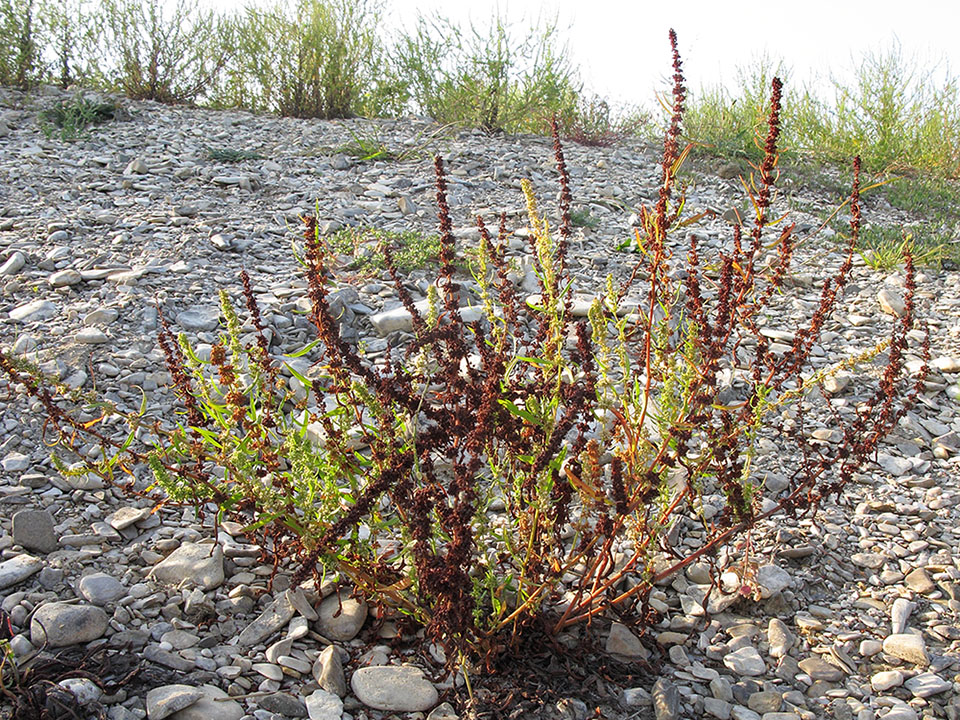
{"type": "Point", "coordinates": [622, 50]}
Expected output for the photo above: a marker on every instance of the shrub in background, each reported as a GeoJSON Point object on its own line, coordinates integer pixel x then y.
{"type": "Point", "coordinates": [312, 58]}
{"type": "Point", "coordinates": [487, 76]}
{"type": "Point", "coordinates": [894, 115]}
{"type": "Point", "coordinates": [74, 32]}
{"type": "Point", "coordinates": [20, 64]}
{"type": "Point", "coordinates": [527, 461]}
{"type": "Point", "coordinates": [170, 52]}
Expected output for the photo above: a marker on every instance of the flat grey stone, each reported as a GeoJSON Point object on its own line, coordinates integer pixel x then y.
{"type": "Point", "coordinates": [34, 530]}
{"type": "Point", "coordinates": [64, 278]}
{"type": "Point", "coordinates": [322, 705]}
{"type": "Point", "coordinates": [136, 167]}
{"type": "Point", "coordinates": [891, 302]}
{"type": "Point", "coordinates": [341, 616]}
{"type": "Point", "coordinates": [91, 336]}
{"type": "Point", "coordinates": [772, 580]}
{"type": "Point", "coordinates": [283, 704]}
{"type": "Point", "coordinates": [33, 311]}
{"type": "Point", "coordinates": [200, 565]}
{"type": "Point", "coordinates": [60, 624]}
{"type": "Point", "coordinates": [174, 661]}
{"type": "Point", "coordinates": [745, 661]}
{"type": "Point", "coordinates": [927, 684]}
{"type": "Point", "coordinates": [199, 319]}
{"type": "Point", "coordinates": [666, 700]}
{"type": "Point", "coordinates": [163, 701]}
{"type": "Point", "coordinates": [14, 462]}
{"type": "Point", "coordinates": [277, 614]}
{"type": "Point", "coordinates": [214, 704]}
{"type": "Point", "coordinates": [624, 643]}
{"type": "Point", "coordinates": [395, 688]}
{"type": "Point", "coordinates": [328, 672]}
{"type": "Point", "coordinates": [18, 568]}
{"type": "Point", "coordinates": [100, 588]}
{"type": "Point", "coordinates": [719, 709]}
{"type": "Point", "coordinates": [126, 516]}
{"type": "Point", "coordinates": [819, 669]}
{"type": "Point", "coordinates": [907, 646]}
{"type": "Point", "coordinates": [765, 701]}
{"type": "Point", "coordinates": [779, 637]}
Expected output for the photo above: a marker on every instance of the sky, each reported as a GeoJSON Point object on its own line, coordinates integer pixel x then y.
{"type": "Point", "coordinates": [622, 51]}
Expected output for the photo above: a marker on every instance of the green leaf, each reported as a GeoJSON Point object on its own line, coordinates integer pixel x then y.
{"type": "Point", "coordinates": [300, 353]}
{"type": "Point", "coordinates": [514, 410]}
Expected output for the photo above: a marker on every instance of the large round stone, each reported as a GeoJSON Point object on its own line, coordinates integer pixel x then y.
{"type": "Point", "coordinates": [200, 565]}
{"type": "Point", "coordinates": [60, 624]}
{"type": "Point", "coordinates": [341, 616]}
{"type": "Point", "coordinates": [394, 688]}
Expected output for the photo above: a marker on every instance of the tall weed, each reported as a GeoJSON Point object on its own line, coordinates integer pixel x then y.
{"type": "Point", "coordinates": [524, 462]}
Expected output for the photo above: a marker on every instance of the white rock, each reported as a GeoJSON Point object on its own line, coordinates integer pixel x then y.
{"type": "Point", "coordinates": [34, 311]}
{"type": "Point", "coordinates": [163, 701]}
{"type": "Point", "coordinates": [322, 705]}
{"type": "Point", "coordinates": [341, 616]}
{"type": "Point", "coordinates": [85, 691]}
{"type": "Point", "coordinates": [772, 580]}
{"type": "Point", "coordinates": [17, 569]}
{"type": "Point", "coordinates": [900, 614]}
{"type": "Point", "coordinates": [886, 680]}
{"type": "Point", "coordinates": [214, 704]}
{"type": "Point", "coordinates": [100, 588]}
{"type": "Point", "coordinates": [64, 278]}
{"type": "Point", "coordinates": [192, 563]}
{"type": "Point", "coordinates": [624, 643]}
{"type": "Point", "coordinates": [891, 302]}
{"type": "Point", "coordinates": [907, 646]}
{"type": "Point", "coordinates": [745, 661]}
{"type": "Point", "coordinates": [13, 264]}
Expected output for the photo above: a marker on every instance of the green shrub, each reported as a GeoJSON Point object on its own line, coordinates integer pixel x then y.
{"type": "Point", "coordinates": [172, 52]}
{"type": "Point", "coordinates": [312, 58]}
{"type": "Point", "coordinates": [488, 77]}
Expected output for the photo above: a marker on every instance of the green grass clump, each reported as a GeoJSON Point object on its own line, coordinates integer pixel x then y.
{"type": "Point", "coordinates": [411, 250]}
{"type": "Point", "coordinates": [583, 218]}
{"type": "Point", "coordinates": [71, 118]}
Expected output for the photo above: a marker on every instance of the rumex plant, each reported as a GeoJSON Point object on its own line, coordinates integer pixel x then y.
{"type": "Point", "coordinates": [524, 460]}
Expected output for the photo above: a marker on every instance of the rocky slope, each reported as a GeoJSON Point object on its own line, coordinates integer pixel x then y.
{"type": "Point", "coordinates": [857, 615]}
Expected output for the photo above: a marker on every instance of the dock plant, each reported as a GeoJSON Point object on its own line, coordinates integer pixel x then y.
{"type": "Point", "coordinates": [539, 464]}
